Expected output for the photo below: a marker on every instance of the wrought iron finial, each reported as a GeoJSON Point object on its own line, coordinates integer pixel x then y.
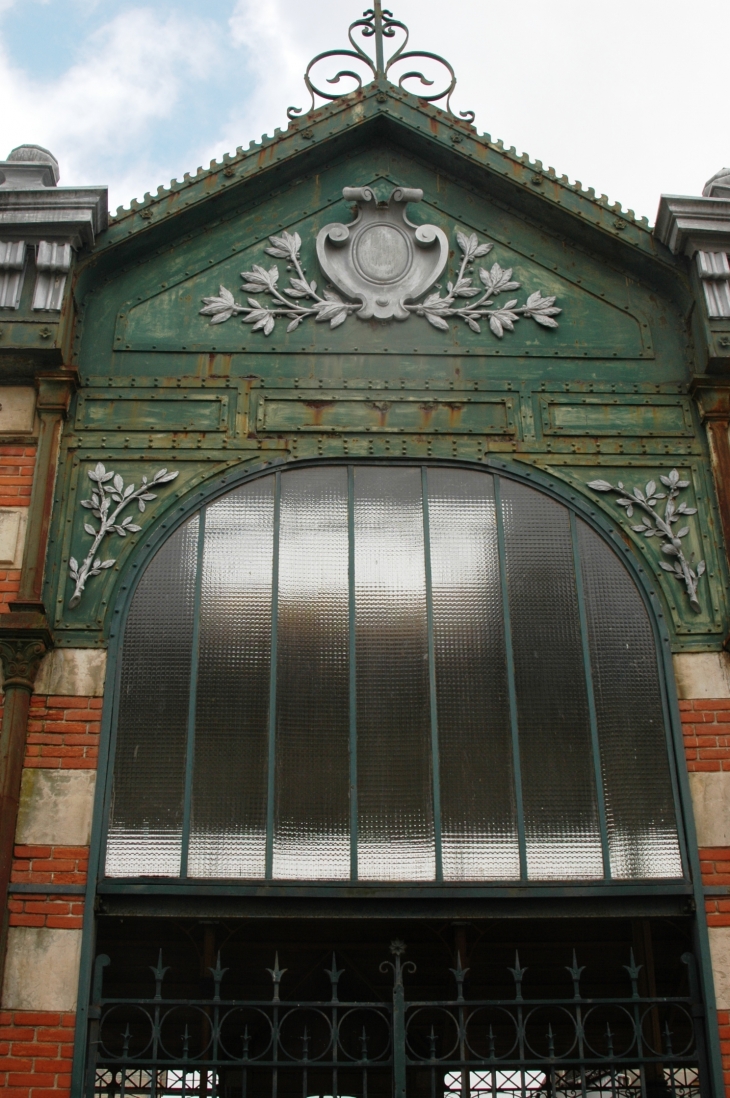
{"type": "Point", "coordinates": [276, 974]}
{"type": "Point", "coordinates": [217, 973]}
{"type": "Point", "coordinates": [379, 23]}
{"type": "Point", "coordinates": [159, 972]}
{"type": "Point", "coordinates": [576, 971]}
{"type": "Point", "coordinates": [334, 974]}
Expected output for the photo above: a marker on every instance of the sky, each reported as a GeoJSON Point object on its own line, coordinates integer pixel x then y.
{"type": "Point", "coordinates": [627, 97]}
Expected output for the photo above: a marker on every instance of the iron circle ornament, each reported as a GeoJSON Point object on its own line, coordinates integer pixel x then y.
{"type": "Point", "coordinates": [542, 1040]}
{"type": "Point", "coordinates": [432, 1033]}
{"type": "Point", "coordinates": [246, 1033]}
{"type": "Point", "coordinates": [609, 1030]}
{"type": "Point", "coordinates": [667, 1029]}
{"type": "Point", "coordinates": [185, 1028]}
{"type": "Point", "coordinates": [363, 1035]}
{"type": "Point", "coordinates": [304, 1033]}
{"type": "Point", "coordinates": [492, 1032]}
{"type": "Point", "coordinates": [132, 1042]}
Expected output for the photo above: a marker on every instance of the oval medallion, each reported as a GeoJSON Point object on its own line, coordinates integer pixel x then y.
{"type": "Point", "coordinates": [382, 253]}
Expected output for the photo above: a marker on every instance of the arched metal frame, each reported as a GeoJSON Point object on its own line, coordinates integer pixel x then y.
{"type": "Point", "coordinates": [594, 517]}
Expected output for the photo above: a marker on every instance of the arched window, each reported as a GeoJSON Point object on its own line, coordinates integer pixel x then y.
{"type": "Point", "coordinates": [390, 673]}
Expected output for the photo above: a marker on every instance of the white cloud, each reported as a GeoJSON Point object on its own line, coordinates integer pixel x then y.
{"type": "Point", "coordinates": [102, 106]}
{"type": "Point", "coordinates": [601, 96]}
{"type": "Point", "coordinates": [604, 97]}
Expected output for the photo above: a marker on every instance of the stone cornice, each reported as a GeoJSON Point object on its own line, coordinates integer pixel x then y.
{"type": "Point", "coordinates": [72, 214]}
{"type": "Point", "coordinates": [688, 225]}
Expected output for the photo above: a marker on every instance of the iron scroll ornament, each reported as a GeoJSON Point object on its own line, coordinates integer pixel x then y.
{"type": "Point", "coordinates": [378, 23]}
{"type": "Point", "coordinates": [386, 263]}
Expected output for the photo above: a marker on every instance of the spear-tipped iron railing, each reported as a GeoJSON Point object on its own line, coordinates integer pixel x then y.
{"type": "Point", "coordinates": [627, 1046]}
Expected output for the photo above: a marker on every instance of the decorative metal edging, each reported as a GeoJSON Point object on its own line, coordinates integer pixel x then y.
{"type": "Point", "coordinates": [660, 526]}
{"type": "Point", "coordinates": [100, 503]}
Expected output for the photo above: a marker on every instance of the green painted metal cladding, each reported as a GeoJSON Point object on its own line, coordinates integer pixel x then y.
{"type": "Point", "coordinates": [603, 395]}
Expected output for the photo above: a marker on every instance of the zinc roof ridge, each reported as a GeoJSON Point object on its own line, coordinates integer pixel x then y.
{"type": "Point", "coordinates": [382, 91]}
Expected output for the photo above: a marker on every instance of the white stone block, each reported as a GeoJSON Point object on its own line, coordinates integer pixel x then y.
{"type": "Point", "coordinates": [702, 674]}
{"type": "Point", "coordinates": [41, 969]}
{"type": "Point", "coordinates": [55, 807]}
{"type": "Point", "coordinates": [17, 410]}
{"type": "Point", "coordinates": [720, 953]}
{"type": "Point", "coordinates": [13, 521]}
{"type": "Point", "coordinates": [74, 672]}
{"type": "Point", "coordinates": [711, 804]}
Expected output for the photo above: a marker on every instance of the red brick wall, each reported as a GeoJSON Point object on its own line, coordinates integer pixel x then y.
{"type": "Point", "coordinates": [36, 1051]}
{"type": "Point", "coordinates": [16, 482]}
{"type": "Point", "coordinates": [723, 1021]}
{"type": "Point", "coordinates": [63, 732]}
{"type": "Point", "coordinates": [60, 912]}
{"type": "Point", "coordinates": [706, 730]}
{"type": "Point", "coordinates": [50, 865]}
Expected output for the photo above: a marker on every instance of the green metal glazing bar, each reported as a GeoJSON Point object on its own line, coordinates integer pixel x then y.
{"type": "Point", "coordinates": [271, 770]}
{"type": "Point", "coordinates": [192, 698]}
{"type": "Point", "coordinates": [595, 745]}
{"type": "Point", "coordinates": [512, 689]}
{"type": "Point", "coordinates": [435, 764]}
{"type": "Point", "coordinates": [352, 660]}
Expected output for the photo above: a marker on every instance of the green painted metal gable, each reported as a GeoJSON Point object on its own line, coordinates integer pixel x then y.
{"type": "Point", "coordinates": [604, 394]}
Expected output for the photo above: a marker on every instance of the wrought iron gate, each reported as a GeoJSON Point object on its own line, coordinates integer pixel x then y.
{"type": "Point", "coordinates": [216, 1047]}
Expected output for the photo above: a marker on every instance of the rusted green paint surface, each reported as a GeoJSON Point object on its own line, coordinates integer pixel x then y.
{"type": "Point", "coordinates": [604, 394]}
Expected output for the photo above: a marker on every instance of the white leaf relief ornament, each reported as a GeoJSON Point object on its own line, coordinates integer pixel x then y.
{"type": "Point", "coordinates": [382, 264]}
{"type": "Point", "coordinates": [103, 496]}
{"type": "Point", "coordinates": [658, 526]}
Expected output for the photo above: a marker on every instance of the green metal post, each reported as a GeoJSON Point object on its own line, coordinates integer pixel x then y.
{"type": "Point", "coordinates": [590, 694]}
{"type": "Point", "coordinates": [399, 1030]}
{"type": "Point", "coordinates": [433, 703]}
{"type": "Point", "coordinates": [272, 683]}
{"type": "Point", "coordinates": [514, 721]}
{"type": "Point", "coordinates": [192, 700]}
{"type": "Point", "coordinates": [353, 667]}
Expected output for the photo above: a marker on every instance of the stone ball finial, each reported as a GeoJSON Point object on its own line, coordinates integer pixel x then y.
{"type": "Point", "coordinates": [35, 154]}
{"type": "Point", "coordinates": [719, 185]}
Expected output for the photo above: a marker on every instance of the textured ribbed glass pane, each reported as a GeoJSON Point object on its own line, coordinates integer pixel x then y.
{"type": "Point", "coordinates": [478, 821]}
{"type": "Point", "coordinates": [312, 815]}
{"type": "Point", "coordinates": [228, 832]}
{"type": "Point", "coordinates": [145, 828]}
{"type": "Point", "coordinates": [395, 815]}
{"type": "Point", "coordinates": [642, 828]}
{"type": "Point", "coordinates": [561, 817]}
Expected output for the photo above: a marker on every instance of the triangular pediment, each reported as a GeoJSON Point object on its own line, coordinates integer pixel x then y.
{"type": "Point", "coordinates": [162, 308]}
